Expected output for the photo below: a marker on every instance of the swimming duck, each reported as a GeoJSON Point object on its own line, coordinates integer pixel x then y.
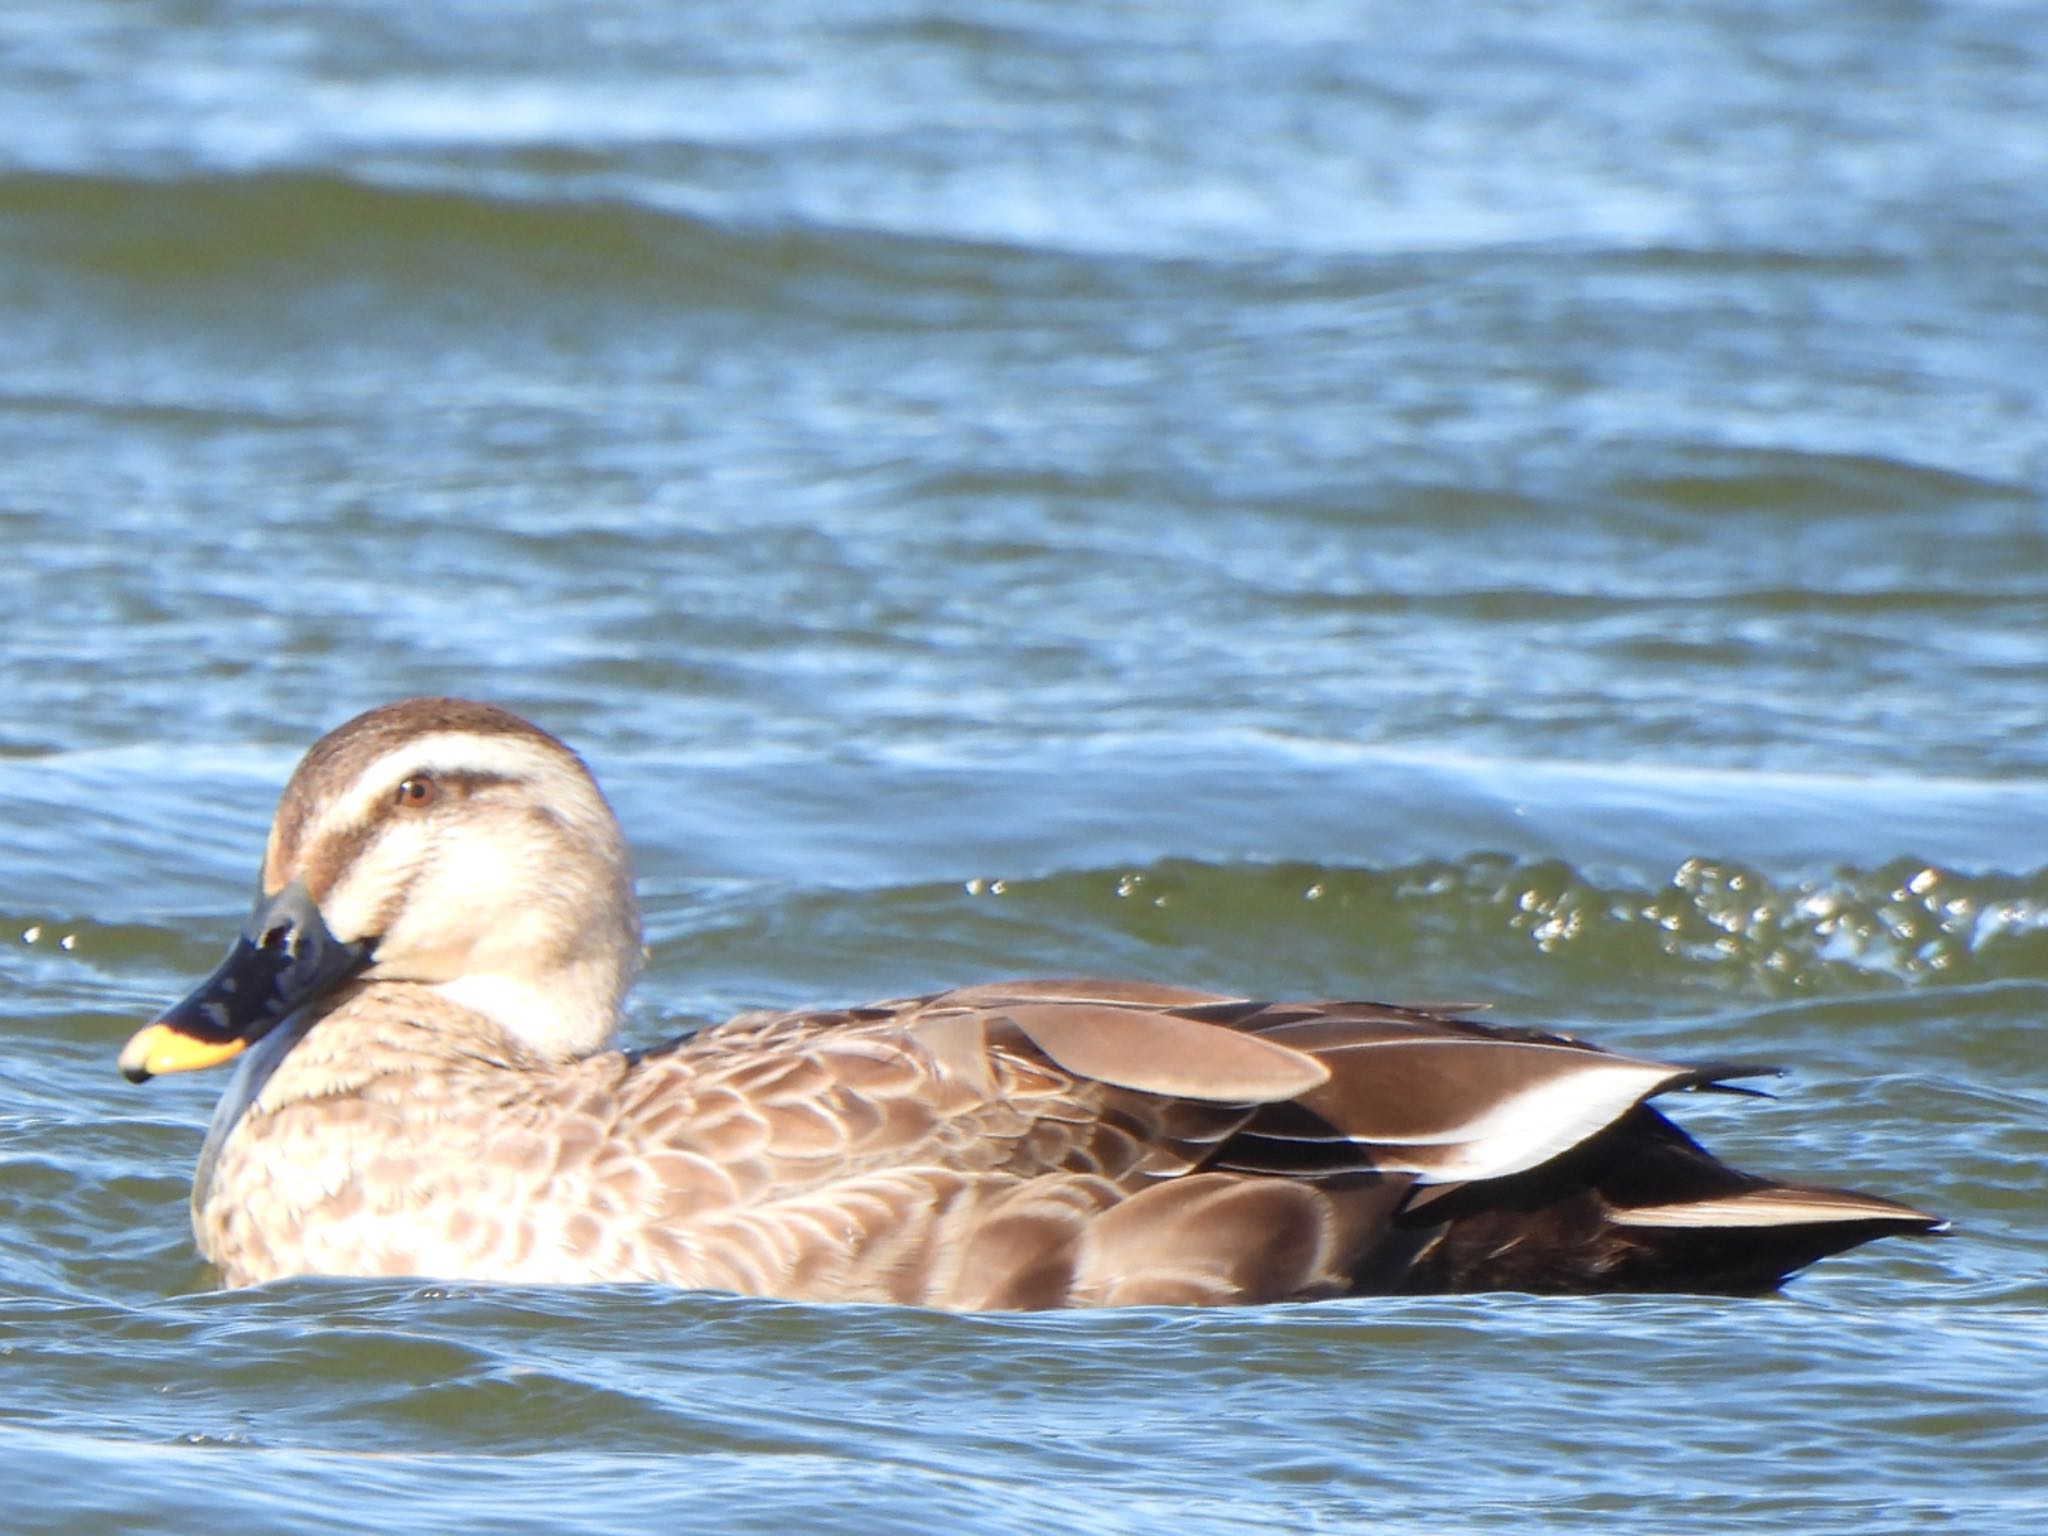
{"type": "Point", "coordinates": [424, 1002]}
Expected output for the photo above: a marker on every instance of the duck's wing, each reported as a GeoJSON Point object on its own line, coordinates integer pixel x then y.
{"type": "Point", "coordinates": [1073, 1142]}
{"type": "Point", "coordinates": [1324, 1087]}
{"type": "Point", "coordinates": [1447, 1100]}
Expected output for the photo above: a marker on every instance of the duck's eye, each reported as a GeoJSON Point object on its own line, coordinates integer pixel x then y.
{"type": "Point", "coordinates": [418, 792]}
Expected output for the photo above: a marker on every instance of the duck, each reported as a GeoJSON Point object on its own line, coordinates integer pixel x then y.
{"type": "Point", "coordinates": [422, 1012]}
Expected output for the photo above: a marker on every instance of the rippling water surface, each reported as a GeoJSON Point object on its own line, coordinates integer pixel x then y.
{"type": "Point", "coordinates": [1531, 503]}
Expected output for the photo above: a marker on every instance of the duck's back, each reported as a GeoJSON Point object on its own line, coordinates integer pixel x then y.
{"type": "Point", "coordinates": [1037, 1144]}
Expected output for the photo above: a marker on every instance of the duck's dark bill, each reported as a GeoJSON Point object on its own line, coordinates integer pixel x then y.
{"type": "Point", "coordinates": [284, 958]}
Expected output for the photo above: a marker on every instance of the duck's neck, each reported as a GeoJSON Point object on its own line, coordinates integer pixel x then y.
{"type": "Point", "coordinates": [558, 1017]}
{"type": "Point", "coordinates": [250, 1075]}
{"type": "Point", "coordinates": [378, 1039]}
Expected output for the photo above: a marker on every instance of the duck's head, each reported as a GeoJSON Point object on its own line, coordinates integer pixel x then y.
{"type": "Point", "coordinates": [434, 841]}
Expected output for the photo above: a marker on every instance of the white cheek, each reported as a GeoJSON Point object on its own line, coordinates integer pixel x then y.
{"type": "Point", "coordinates": [359, 901]}
{"type": "Point", "coordinates": [471, 870]}
{"type": "Point", "coordinates": [474, 902]}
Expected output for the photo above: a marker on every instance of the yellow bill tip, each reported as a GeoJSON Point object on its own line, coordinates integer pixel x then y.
{"type": "Point", "coordinates": [157, 1049]}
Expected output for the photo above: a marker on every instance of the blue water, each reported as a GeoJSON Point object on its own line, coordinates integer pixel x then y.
{"type": "Point", "coordinates": [1535, 504]}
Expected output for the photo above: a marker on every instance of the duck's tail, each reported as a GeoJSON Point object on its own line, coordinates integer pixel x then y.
{"type": "Point", "coordinates": [1643, 1207]}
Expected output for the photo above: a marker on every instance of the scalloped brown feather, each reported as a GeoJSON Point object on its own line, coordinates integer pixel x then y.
{"type": "Point", "coordinates": [949, 1151]}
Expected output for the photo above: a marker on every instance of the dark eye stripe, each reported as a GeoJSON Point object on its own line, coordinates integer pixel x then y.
{"type": "Point", "coordinates": [465, 782]}
{"type": "Point", "coordinates": [325, 861]}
